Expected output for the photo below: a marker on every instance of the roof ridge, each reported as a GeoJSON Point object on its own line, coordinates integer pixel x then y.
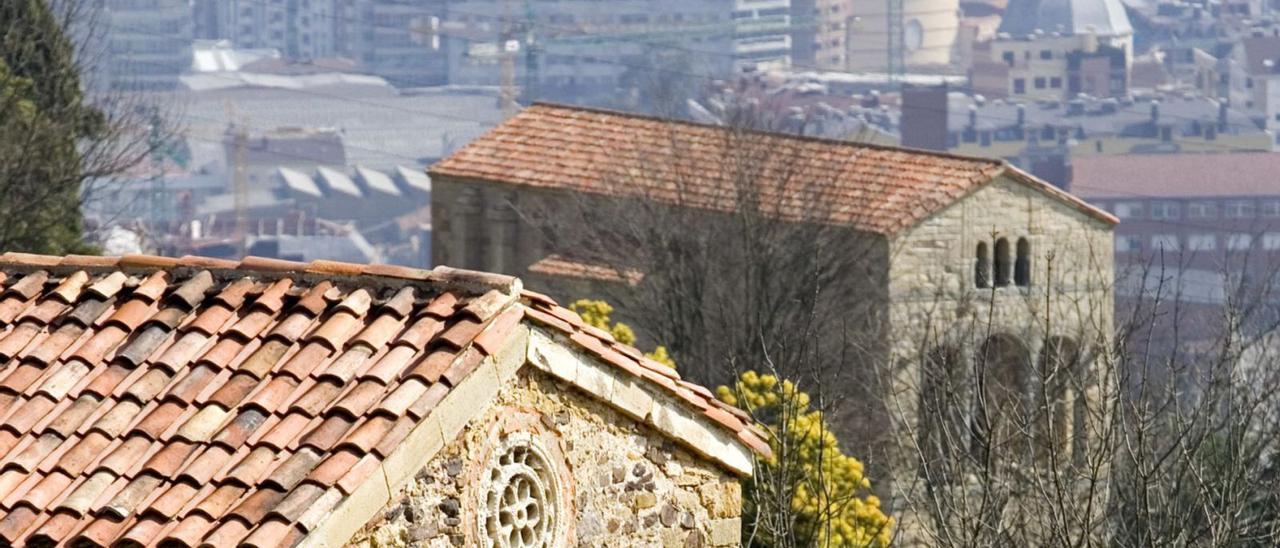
{"type": "Point", "coordinates": [767, 133]}
{"type": "Point", "coordinates": [375, 274]}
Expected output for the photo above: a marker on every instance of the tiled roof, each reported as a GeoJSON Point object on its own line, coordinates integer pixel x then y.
{"type": "Point", "coordinates": [872, 188]}
{"type": "Point", "coordinates": [561, 266]}
{"type": "Point", "coordinates": [1152, 176]}
{"type": "Point", "coordinates": [148, 400]}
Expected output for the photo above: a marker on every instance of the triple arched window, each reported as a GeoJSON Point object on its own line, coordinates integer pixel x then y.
{"type": "Point", "coordinates": [1004, 266]}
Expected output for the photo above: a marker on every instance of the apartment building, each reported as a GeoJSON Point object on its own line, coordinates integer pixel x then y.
{"type": "Point", "coordinates": [146, 44]}
{"type": "Point", "coordinates": [1056, 50]}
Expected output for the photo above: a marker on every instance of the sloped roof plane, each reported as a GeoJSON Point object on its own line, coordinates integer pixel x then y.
{"type": "Point", "coordinates": [1101, 17]}
{"type": "Point", "coordinates": [157, 401]}
{"type": "Point", "coordinates": [872, 188]}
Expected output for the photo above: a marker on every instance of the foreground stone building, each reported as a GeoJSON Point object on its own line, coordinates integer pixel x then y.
{"type": "Point", "coordinates": [961, 260]}
{"type": "Point", "coordinates": [198, 402]}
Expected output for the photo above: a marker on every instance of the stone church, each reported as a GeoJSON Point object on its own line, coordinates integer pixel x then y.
{"type": "Point", "coordinates": [965, 259]}
{"type": "Point", "coordinates": [151, 401]}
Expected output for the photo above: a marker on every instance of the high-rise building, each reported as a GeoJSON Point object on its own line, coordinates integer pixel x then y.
{"type": "Point", "coordinates": [146, 43]}
{"type": "Point", "coordinates": [394, 39]}
{"type": "Point", "coordinates": [400, 40]}
{"type": "Point", "coordinates": [762, 34]}
{"type": "Point", "coordinates": [600, 51]}
{"type": "Point", "coordinates": [300, 29]}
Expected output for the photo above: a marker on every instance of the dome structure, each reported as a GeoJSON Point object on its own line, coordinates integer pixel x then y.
{"type": "Point", "coordinates": [1100, 17]}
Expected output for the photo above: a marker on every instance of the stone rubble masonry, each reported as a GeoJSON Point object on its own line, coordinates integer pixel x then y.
{"type": "Point", "coordinates": [631, 485]}
{"type": "Point", "coordinates": [668, 416]}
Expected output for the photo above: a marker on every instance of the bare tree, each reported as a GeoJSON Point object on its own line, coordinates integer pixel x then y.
{"type": "Point", "coordinates": [1020, 412]}
{"type": "Point", "coordinates": [1172, 445]}
{"type": "Point", "coordinates": [62, 140]}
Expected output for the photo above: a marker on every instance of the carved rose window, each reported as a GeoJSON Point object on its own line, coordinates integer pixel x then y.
{"type": "Point", "coordinates": [521, 496]}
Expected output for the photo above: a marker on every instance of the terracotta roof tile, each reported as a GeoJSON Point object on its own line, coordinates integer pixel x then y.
{"type": "Point", "coordinates": [443, 305]}
{"type": "Point", "coordinates": [317, 398]}
{"type": "Point", "coordinates": [272, 299]}
{"type": "Point", "coordinates": [229, 533]}
{"type": "Point", "coordinates": [399, 431]}
{"type": "Point", "coordinates": [297, 502]}
{"type": "Point", "coordinates": [462, 332]}
{"type": "Point", "coordinates": [400, 304]}
{"type": "Point", "coordinates": [873, 188]}
{"type": "Point", "coordinates": [309, 358]}
{"type": "Point", "coordinates": [432, 367]}
{"type": "Point", "coordinates": [420, 331]}
{"type": "Point", "coordinates": [207, 402]}
{"type": "Point", "coordinates": [191, 292]}
{"type": "Point", "coordinates": [463, 365]}
{"type": "Point", "coordinates": [274, 532]}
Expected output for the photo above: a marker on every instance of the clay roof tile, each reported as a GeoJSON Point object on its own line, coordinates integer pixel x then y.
{"type": "Point", "coordinates": [401, 303]}
{"type": "Point", "coordinates": [149, 406]}
{"type": "Point", "coordinates": [192, 291]}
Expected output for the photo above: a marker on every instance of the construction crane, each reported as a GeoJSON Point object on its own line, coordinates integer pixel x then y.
{"type": "Point", "coordinates": [896, 66]}
{"type": "Point", "coordinates": [509, 43]}
{"type": "Point", "coordinates": [517, 34]}
{"type": "Point", "coordinates": [239, 181]}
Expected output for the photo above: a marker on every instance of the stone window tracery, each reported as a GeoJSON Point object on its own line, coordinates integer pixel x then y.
{"type": "Point", "coordinates": [520, 506]}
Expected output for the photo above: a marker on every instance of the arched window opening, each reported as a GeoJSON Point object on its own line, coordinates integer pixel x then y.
{"type": "Point", "coordinates": [944, 403]}
{"type": "Point", "coordinates": [1022, 265]}
{"type": "Point", "coordinates": [1060, 382]}
{"type": "Point", "coordinates": [982, 267]}
{"type": "Point", "coordinates": [1003, 263]}
{"type": "Point", "coordinates": [1000, 410]}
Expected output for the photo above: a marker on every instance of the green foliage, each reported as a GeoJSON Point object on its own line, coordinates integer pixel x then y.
{"type": "Point", "coordinates": [44, 127]}
{"type": "Point", "coordinates": [596, 314]}
{"type": "Point", "coordinates": [825, 498]}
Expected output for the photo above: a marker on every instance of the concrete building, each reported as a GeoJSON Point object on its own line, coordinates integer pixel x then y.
{"type": "Point", "coordinates": [585, 50]}
{"type": "Point", "coordinates": [1193, 248]}
{"type": "Point", "coordinates": [147, 44]}
{"type": "Point", "coordinates": [1181, 205]}
{"type": "Point", "coordinates": [399, 40]}
{"type": "Point", "coordinates": [929, 29]}
{"type": "Point", "coordinates": [299, 29]}
{"type": "Point", "coordinates": [1023, 132]}
{"type": "Point", "coordinates": [1050, 67]}
{"type": "Point", "coordinates": [762, 35]}
{"type": "Point", "coordinates": [394, 39]}
{"type": "Point", "coordinates": [946, 241]}
{"type": "Point", "coordinates": [370, 405]}
{"type": "Point", "coordinates": [1056, 49]}
{"type": "Point", "coordinates": [1253, 75]}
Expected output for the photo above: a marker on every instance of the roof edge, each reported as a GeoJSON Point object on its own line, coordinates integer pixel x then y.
{"type": "Point", "coordinates": [1055, 192]}
{"type": "Point", "coordinates": [762, 132]}
{"type": "Point", "coordinates": [382, 275]}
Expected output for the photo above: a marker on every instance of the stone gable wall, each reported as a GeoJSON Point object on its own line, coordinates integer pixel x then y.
{"type": "Point", "coordinates": [931, 279]}
{"type": "Point", "coordinates": [629, 486]}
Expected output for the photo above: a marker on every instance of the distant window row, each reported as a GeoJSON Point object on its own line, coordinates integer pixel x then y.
{"type": "Point", "coordinates": [1167, 210]}
{"type": "Point", "coordinates": [1005, 266]}
{"type": "Point", "coordinates": [1269, 241]}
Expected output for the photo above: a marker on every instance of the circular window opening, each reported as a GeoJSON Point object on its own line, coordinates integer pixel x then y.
{"type": "Point", "coordinates": [521, 506]}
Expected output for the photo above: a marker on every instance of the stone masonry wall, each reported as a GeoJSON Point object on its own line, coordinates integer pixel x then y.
{"type": "Point", "coordinates": [936, 304]}
{"type": "Point", "coordinates": [931, 280]}
{"type": "Point", "coordinates": [627, 486]}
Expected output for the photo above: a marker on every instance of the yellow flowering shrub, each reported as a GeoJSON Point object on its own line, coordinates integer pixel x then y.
{"type": "Point", "coordinates": [596, 313]}
{"type": "Point", "coordinates": [830, 499]}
